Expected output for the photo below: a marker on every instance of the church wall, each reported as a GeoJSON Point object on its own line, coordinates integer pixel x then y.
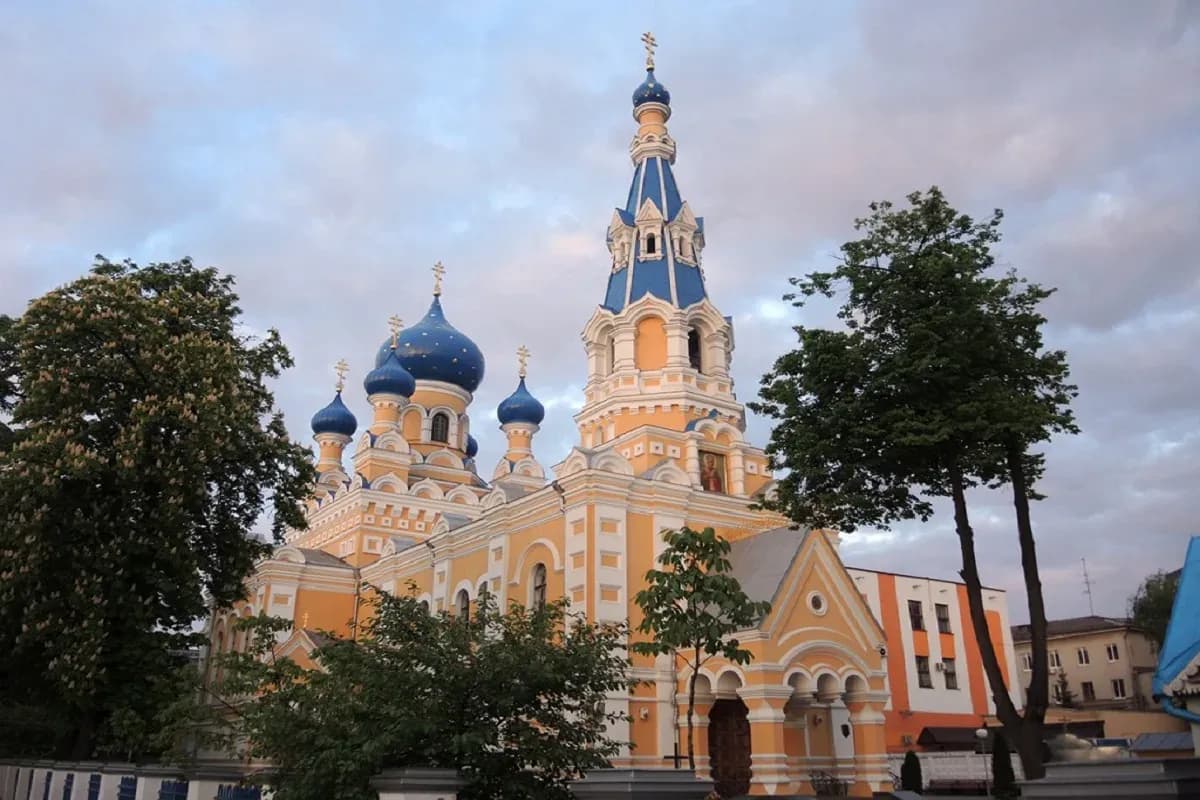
{"type": "Point", "coordinates": [650, 344]}
{"type": "Point", "coordinates": [328, 611]}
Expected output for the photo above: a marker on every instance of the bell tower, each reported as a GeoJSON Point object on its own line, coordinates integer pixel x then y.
{"type": "Point", "coordinates": [658, 350]}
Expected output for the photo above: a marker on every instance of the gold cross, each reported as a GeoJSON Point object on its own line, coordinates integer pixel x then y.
{"type": "Point", "coordinates": [341, 368]}
{"type": "Point", "coordinates": [651, 43]}
{"type": "Point", "coordinates": [396, 325]}
{"type": "Point", "coordinates": [438, 272]}
{"type": "Point", "coordinates": [522, 360]}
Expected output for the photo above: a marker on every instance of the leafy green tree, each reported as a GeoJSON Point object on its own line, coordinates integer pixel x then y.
{"type": "Point", "coordinates": [8, 378]}
{"type": "Point", "coordinates": [514, 700]}
{"type": "Point", "coordinates": [692, 607]}
{"type": "Point", "coordinates": [1150, 607]}
{"type": "Point", "coordinates": [146, 446]}
{"type": "Point", "coordinates": [1004, 780]}
{"type": "Point", "coordinates": [910, 773]}
{"type": "Point", "coordinates": [936, 383]}
{"type": "Point", "coordinates": [1066, 697]}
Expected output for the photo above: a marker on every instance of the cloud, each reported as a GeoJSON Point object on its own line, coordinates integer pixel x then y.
{"type": "Point", "coordinates": [329, 159]}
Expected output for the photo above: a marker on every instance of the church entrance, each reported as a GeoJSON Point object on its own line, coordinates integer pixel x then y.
{"type": "Point", "coordinates": [729, 747]}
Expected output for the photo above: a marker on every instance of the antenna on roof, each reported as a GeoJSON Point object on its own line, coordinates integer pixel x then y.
{"type": "Point", "coordinates": [1087, 588]}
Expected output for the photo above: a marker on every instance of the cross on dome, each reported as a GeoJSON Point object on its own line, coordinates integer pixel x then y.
{"type": "Point", "coordinates": [395, 324]}
{"type": "Point", "coordinates": [650, 42]}
{"type": "Point", "coordinates": [341, 368]}
{"type": "Point", "coordinates": [438, 272]}
{"type": "Point", "coordinates": [522, 360]}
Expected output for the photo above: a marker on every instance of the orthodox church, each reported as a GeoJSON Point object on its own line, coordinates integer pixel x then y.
{"type": "Point", "coordinates": [661, 445]}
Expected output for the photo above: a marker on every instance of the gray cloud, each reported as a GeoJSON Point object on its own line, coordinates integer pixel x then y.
{"type": "Point", "coordinates": [328, 160]}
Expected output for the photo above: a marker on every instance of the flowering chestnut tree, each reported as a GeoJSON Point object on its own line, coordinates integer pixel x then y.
{"type": "Point", "coordinates": [143, 446]}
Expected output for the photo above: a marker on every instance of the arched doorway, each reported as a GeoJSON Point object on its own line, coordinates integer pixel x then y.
{"type": "Point", "coordinates": [729, 747]}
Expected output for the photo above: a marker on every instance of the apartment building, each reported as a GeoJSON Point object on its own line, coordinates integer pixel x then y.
{"type": "Point", "coordinates": [1107, 663]}
{"type": "Point", "coordinates": [939, 692]}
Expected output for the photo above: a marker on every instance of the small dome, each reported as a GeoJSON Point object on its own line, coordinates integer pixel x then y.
{"type": "Point", "coordinates": [434, 350]}
{"type": "Point", "coordinates": [651, 91]}
{"type": "Point", "coordinates": [472, 446]}
{"type": "Point", "coordinates": [521, 406]}
{"type": "Point", "coordinates": [335, 418]}
{"type": "Point", "coordinates": [390, 377]}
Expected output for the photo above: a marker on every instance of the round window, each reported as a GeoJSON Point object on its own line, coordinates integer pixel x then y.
{"type": "Point", "coordinates": [817, 603]}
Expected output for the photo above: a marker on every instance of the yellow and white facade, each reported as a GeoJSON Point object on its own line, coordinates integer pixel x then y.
{"type": "Point", "coordinates": [661, 445]}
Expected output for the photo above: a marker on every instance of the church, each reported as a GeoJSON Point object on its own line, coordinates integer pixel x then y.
{"type": "Point", "coordinates": [661, 445]}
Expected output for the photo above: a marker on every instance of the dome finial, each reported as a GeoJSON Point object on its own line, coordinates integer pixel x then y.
{"type": "Point", "coordinates": [650, 42]}
{"type": "Point", "coordinates": [396, 325]}
{"type": "Point", "coordinates": [438, 272]}
{"type": "Point", "coordinates": [522, 360]}
{"type": "Point", "coordinates": [341, 368]}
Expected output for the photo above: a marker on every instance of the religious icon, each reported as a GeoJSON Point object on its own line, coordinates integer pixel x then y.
{"type": "Point", "coordinates": [712, 472]}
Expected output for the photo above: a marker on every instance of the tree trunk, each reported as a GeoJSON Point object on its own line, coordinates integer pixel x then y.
{"type": "Point", "coordinates": [1015, 728]}
{"type": "Point", "coordinates": [85, 737]}
{"type": "Point", "coordinates": [691, 710]}
{"type": "Point", "coordinates": [1038, 691]}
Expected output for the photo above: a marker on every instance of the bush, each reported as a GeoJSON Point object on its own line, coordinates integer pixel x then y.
{"type": "Point", "coordinates": [1004, 782]}
{"type": "Point", "coordinates": [910, 773]}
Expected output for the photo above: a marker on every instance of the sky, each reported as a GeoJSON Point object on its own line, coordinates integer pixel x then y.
{"type": "Point", "coordinates": [328, 154]}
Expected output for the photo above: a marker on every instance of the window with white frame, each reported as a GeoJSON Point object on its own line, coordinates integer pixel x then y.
{"type": "Point", "coordinates": [1118, 687]}
{"type": "Point", "coordinates": [942, 611]}
{"type": "Point", "coordinates": [1081, 654]}
{"type": "Point", "coordinates": [924, 679]}
{"type": "Point", "coordinates": [1112, 652]}
{"type": "Point", "coordinates": [1027, 661]}
{"type": "Point", "coordinates": [1055, 661]}
{"type": "Point", "coordinates": [538, 587]}
{"type": "Point", "coordinates": [950, 672]}
{"type": "Point", "coordinates": [462, 604]}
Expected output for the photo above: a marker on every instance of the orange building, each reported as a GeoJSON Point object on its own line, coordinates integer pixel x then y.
{"type": "Point", "coordinates": [939, 693]}
{"type": "Point", "coordinates": [661, 445]}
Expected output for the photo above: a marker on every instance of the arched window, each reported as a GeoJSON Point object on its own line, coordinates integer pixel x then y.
{"type": "Point", "coordinates": [439, 428]}
{"type": "Point", "coordinates": [462, 604]}
{"type": "Point", "coordinates": [651, 244]}
{"type": "Point", "coordinates": [538, 587]}
{"type": "Point", "coordinates": [694, 350]}
{"type": "Point", "coordinates": [424, 604]}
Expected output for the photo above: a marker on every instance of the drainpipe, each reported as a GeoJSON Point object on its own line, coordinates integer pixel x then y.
{"type": "Point", "coordinates": [357, 600]}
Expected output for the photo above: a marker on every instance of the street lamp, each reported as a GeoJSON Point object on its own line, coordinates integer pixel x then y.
{"type": "Point", "coordinates": [982, 735]}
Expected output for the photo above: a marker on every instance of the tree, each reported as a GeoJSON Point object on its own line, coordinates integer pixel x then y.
{"type": "Point", "coordinates": [692, 607]}
{"type": "Point", "coordinates": [1004, 780]}
{"type": "Point", "coordinates": [1150, 607]}
{"type": "Point", "coordinates": [910, 773]}
{"type": "Point", "coordinates": [1065, 697]}
{"type": "Point", "coordinates": [938, 383]}
{"type": "Point", "coordinates": [8, 378]}
{"type": "Point", "coordinates": [514, 700]}
{"type": "Point", "coordinates": [146, 447]}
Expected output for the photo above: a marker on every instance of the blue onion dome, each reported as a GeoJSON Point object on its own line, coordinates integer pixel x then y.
{"type": "Point", "coordinates": [521, 406]}
{"type": "Point", "coordinates": [472, 446]}
{"type": "Point", "coordinates": [651, 91]}
{"type": "Point", "coordinates": [390, 377]}
{"type": "Point", "coordinates": [335, 418]}
{"type": "Point", "coordinates": [434, 350]}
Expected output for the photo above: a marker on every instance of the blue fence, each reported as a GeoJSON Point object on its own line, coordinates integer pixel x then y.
{"type": "Point", "coordinates": [127, 788]}
{"type": "Point", "coordinates": [173, 790]}
{"type": "Point", "coordinates": [227, 792]}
